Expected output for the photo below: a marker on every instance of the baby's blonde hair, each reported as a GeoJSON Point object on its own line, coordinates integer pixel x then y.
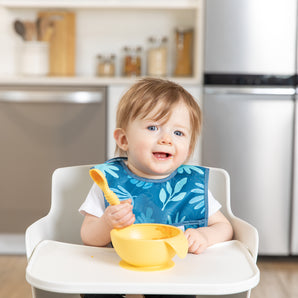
{"type": "Point", "coordinates": [143, 97]}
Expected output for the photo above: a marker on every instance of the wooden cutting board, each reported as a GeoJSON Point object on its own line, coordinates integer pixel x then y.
{"type": "Point", "coordinates": [61, 42]}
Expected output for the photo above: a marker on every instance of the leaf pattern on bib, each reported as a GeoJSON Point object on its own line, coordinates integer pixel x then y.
{"type": "Point", "coordinates": [140, 183]}
{"type": "Point", "coordinates": [167, 194]}
{"type": "Point", "coordinates": [108, 168]}
{"type": "Point", "coordinates": [146, 218]}
{"type": "Point", "coordinates": [176, 219]}
{"type": "Point", "coordinates": [122, 193]}
{"type": "Point", "coordinates": [188, 169]}
{"type": "Point", "coordinates": [199, 199]}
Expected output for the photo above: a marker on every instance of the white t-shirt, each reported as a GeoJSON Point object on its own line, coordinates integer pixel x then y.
{"type": "Point", "coordinates": [94, 203]}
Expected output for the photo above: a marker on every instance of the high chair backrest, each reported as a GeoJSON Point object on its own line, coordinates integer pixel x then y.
{"type": "Point", "coordinates": [70, 186]}
{"type": "Point", "coordinates": [219, 185]}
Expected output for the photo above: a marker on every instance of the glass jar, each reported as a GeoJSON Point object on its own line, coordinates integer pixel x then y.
{"type": "Point", "coordinates": [184, 52]}
{"type": "Point", "coordinates": [106, 65]}
{"type": "Point", "coordinates": [132, 61]}
{"type": "Point", "coordinates": [157, 57]}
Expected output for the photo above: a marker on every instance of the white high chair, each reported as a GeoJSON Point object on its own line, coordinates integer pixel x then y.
{"type": "Point", "coordinates": [61, 226]}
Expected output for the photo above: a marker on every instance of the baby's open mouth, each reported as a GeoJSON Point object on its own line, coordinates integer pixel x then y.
{"type": "Point", "coordinates": [162, 155]}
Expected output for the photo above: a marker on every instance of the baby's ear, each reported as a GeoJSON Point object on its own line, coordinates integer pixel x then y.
{"type": "Point", "coordinates": [121, 139]}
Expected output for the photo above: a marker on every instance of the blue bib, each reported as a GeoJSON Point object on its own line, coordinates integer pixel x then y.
{"type": "Point", "coordinates": [180, 199]}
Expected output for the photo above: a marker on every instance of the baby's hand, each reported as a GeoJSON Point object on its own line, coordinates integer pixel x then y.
{"type": "Point", "coordinates": [197, 241]}
{"type": "Point", "coordinates": [119, 216]}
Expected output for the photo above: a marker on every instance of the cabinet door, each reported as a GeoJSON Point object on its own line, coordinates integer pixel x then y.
{"type": "Point", "coordinates": [251, 136]}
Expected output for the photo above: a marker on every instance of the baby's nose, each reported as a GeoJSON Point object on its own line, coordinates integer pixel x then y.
{"type": "Point", "coordinates": [165, 139]}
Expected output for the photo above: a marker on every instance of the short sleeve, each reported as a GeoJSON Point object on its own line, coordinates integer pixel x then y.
{"type": "Point", "coordinates": [94, 202]}
{"type": "Point", "coordinates": [213, 204]}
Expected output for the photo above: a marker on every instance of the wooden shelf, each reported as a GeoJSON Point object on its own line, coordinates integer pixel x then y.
{"type": "Point", "coordinates": [159, 4]}
{"type": "Point", "coordinates": [86, 81]}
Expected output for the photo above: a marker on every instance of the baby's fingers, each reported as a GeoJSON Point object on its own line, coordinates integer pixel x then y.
{"type": "Point", "coordinates": [119, 216]}
{"type": "Point", "coordinates": [196, 242]}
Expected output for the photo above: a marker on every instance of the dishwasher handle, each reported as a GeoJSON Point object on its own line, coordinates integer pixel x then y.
{"type": "Point", "coordinates": [52, 96]}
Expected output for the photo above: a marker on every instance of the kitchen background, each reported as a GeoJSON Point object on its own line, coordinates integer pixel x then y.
{"type": "Point", "coordinates": [50, 116]}
{"type": "Point", "coordinates": [242, 43]}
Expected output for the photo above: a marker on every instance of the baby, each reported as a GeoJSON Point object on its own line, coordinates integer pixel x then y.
{"type": "Point", "coordinates": [158, 123]}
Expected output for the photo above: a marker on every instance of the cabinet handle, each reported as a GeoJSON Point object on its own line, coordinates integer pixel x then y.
{"type": "Point", "coordinates": [80, 97]}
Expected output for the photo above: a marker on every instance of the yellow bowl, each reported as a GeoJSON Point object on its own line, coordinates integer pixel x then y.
{"type": "Point", "coordinates": [148, 247]}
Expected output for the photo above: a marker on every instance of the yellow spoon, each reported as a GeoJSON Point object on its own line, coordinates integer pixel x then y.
{"type": "Point", "coordinates": [100, 179]}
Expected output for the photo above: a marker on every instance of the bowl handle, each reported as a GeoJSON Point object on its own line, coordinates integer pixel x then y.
{"type": "Point", "coordinates": [179, 244]}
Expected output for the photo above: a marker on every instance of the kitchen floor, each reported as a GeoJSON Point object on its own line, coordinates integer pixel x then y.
{"type": "Point", "coordinates": [279, 278]}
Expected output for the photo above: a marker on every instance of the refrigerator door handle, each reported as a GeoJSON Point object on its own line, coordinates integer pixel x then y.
{"type": "Point", "coordinates": [250, 90]}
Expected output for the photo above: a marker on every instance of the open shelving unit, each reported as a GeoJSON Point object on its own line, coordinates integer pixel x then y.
{"type": "Point", "coordinates": [134, 21]}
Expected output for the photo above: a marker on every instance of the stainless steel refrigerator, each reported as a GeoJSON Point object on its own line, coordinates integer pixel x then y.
{"type": "Point", "coordinates": [250, 113]}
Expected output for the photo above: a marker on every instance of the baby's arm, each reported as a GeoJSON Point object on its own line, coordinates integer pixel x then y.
{"type": "Point", "coordinates": [219, 229]}
{"type": "Point", "coordinates": [95, 231]}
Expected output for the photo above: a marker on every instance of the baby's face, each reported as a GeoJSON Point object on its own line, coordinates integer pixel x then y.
{"type": "Point", "coordinates": [156, 148]}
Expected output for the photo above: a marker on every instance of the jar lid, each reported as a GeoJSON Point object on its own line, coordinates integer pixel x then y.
{"type": "Point", "coordinates": [152, 39]}
{"type": "Point", "coordinates": [182, 29]}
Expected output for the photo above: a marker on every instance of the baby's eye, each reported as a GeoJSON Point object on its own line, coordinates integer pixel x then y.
{"type": "Point", "coordinates": [152, 127]}
{"type": "Point", "coordinates": [178, 133]}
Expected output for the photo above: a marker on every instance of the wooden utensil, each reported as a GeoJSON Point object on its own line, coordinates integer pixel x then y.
{"type": "Point", "coordinates": [20, 29]}
{"type": "Point", "coordinates": [38, 31]}
{"type": "Point", "coordinates": [62, 41]}
{"type": "Point", "coordinates": [46, 28]}
{"type": "Point", "coordinates": [30, 29]}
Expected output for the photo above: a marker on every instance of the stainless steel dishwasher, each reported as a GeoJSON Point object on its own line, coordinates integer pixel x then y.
{"type": "Point", "coordinates": [41, 129]}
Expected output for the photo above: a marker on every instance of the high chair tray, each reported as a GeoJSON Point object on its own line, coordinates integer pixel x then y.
{"type": "Point", "coordinates": [225, 268]}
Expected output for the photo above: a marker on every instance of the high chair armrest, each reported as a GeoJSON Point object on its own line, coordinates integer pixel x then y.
{"type": "Point", "coordinates": [35, 233]}
{"type": "Point", "coordinates": [247, 234]}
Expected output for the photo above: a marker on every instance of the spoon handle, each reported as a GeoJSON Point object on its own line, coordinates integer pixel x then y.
{"type": "Point", "coordinates": [100, 179]}
{"type": "Point", "coordinates": [112, 197]}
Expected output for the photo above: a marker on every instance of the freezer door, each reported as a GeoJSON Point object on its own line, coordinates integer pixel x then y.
{"type": "Point", "coordinates": [250, 36]}
{"type": "Point", "coordinates": [250, 135]}
{"type": "Point", "coordinates": [294, 239]}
